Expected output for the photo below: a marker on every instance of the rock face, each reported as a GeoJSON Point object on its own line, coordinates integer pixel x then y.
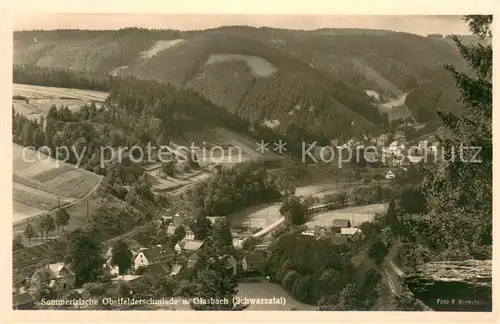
{"type": "Point", "coordinates": [453, 285]}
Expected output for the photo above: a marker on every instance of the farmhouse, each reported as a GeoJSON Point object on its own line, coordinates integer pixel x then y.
{"type": "Point", "coordinates": [171, 229]}
{"type": "Point", "coordinates": [189, 234]}
{"type": "Point", "coordinates": [341, 223]}
{"type": "Point", "coordinates": [186, 245]}
{"type": "Point", "coordinates": [338, 224]}
{"type": "Point", "coordinates": [58, 276]}
{"type": "Point", "coordinates": [149, 256]}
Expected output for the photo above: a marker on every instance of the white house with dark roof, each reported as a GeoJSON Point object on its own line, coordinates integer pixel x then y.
{"type": "Point", "coordinates": [149, 256]}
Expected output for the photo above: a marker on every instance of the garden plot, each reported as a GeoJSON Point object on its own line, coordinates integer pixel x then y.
{"type": "Point", "coordinates": [42, 92]}
{"type": "Point", "coordinates": [41, 183]}
{"type": "Point", "coordinates": [36, 198]}
{"type": "Point", "coordinates": [75, 183]}
{"type": "Point", "coordinates": [22, 211]}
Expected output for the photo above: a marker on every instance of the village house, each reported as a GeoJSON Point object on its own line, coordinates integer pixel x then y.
{"type": "Point", "coordinates": [149, 256]}
{"type": "Point", "coordinates": [338, 224]}
{"type": "Point", "coordinates": [171, 229]}
{"type": "Point", "coordinates": [188, 246]}
{"type": "Point", "coordinates": [253, 261]}
{"type": "Point", "coordinates": [21, 298]}
{"type": "Point", "coordinates": [189, 234]}
{"type": "Point", "coordinates": [59, 276]}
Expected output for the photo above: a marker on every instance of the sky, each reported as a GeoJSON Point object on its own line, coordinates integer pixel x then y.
{"type": "Point", "coordinates": [421, 25]}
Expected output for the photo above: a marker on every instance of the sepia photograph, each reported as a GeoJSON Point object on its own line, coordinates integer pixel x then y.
{"type": "Point", "coordinates": [188, 162]}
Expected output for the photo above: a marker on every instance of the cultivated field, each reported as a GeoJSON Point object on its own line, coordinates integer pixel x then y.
{"type": "Point", "coordinates": [41, 98]}
{"type": "Point", "coordinates": [41, 183]}
{"type": "Point", "coordinates": [259, 66]}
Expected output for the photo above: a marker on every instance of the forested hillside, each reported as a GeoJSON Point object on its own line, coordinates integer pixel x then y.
{"type": "Point", "coordinates": [301, 82]}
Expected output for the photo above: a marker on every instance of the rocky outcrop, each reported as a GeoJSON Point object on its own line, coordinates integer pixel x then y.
{"type": "Point", "coordinates": [453, 285]}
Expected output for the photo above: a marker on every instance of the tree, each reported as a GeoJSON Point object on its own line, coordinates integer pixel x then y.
{"type": "Point", "coordinates": [458, 190]}
{"type": "Point", "coordinates": [47, 225]}
{"type": "Point", "coordinates": [201, 228]}
{"type": "Point", "coordinates": [293, 210]}
{"type": "Point", "coordinates": [222, 237]}
{"type": "Point", "coordinates": [62, 218]}
{"type": "Point", "coordinates": [84, 256]}
{"type": "Point", "coordinates": [378, 251]}
{"type": "Point", "coordinates": [179, 234]}
{"type": "Point", "coordinates": [216, 283]}
{"type": "Point", "coordinates": [289, 280]}
{"type": "Point", "coordinates": [406, 301]}
{"type": "Point", "coordinates": [29, 232]}
{"type": "Point", "coordinates": [121, 256]}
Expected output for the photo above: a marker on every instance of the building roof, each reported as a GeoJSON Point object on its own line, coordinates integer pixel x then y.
{"type": "Point", "coordinates": [171, 230]}
{"type": "Point", "coordinates": [167, 218]}
{"type": "Point", "coordinates": [176, 269]}
{"type": "Point", "coordinates": [341, 223]}
{"type": "Point", "coordinates": [349, 230]}
{"type": "Point", "coordinates": [157, 253]}
{"type": "Point", "coordinates": [56, 270]}
{"type": "Point", "coordinates": [161, 268]}
{"type": "Point", "coordinates": [22, 299]}
{"type": "Point", "coordinates": [190, 245]}
{"type": "Point", "coordinates": [17, 280]}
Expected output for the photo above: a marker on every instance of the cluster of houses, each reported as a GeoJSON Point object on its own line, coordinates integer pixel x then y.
{"type": "Point", "coordinates": [340, 228]}
{"type": "Point", "coordinates": [158, 260]}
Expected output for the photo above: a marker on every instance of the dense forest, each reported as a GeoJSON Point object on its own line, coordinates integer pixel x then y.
{"type": "Point", "coordinates": [136, 112]}
{"type": "Point", "coordinates": [231, 190]}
